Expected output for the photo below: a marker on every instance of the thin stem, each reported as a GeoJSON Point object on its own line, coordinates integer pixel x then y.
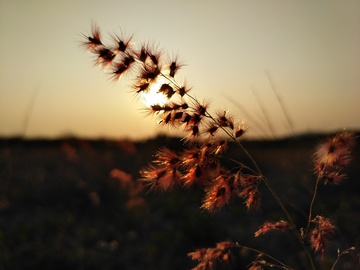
{"type": "Point", "coordinates": [336, 261]}
{"type": "Point", "coordinates": [340, 254]}
{"type": "Point", "coordinates": [293, 226]}
{"type": "Point", "coordinates": [241, 165]}
{"type": "Point", "coordinates": [256, 166]}
{"type": "Point", "coordinates": [274, 194]}
{"type": "Point", "coordinates": [270, 188]}
{"type": "Point", "coordinates": [280, 203]}
{"type": "Point", "coordinates": [281, 264]}
{"type": "Point", "coordinates": [311, 207]}
{"type": "Point", "coordinates": [282, 106]}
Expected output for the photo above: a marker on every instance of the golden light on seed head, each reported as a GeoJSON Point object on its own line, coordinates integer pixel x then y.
{"type": "Point", "coordinates": [153, 96]}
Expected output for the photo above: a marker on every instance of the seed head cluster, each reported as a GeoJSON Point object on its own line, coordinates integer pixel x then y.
{"type": "Point", "coordinates": [281, 225]}
{"type": "Point", "coordinates": [200, 163]}
{"type": "Point", "coordinates": [323, 229]}
{"type": "Point", "coordinates": [201, 166]}
{"type": "Point", "coordinates": [149, 64]}
{"type": "Point", "coordinates": [209, 258]}
{"type": "Point", "coordinates": [332, 156]}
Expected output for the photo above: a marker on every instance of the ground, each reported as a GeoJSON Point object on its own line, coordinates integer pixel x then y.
{"type": "Point", "coordinates": [77, 204]}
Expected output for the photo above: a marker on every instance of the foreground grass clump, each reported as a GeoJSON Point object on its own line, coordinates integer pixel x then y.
{"type": "Point", "coordinates": [203, 162]}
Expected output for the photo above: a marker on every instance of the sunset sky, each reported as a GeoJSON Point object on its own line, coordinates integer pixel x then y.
{"type": "Point", "coordinates": [233, 50]}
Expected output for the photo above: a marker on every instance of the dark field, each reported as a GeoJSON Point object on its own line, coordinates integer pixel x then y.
{"type": "Point", "coordinates": [64, 206]}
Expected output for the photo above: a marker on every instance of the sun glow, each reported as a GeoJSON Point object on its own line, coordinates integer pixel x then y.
{"type": "Point", "coordinates": [153, 96]}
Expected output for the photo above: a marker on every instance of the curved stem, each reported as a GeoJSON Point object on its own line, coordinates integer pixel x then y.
{"type": "Point", "coordinates": [340, 254]}
{"type": "Point", "coordinates": [241, 165]}
{"type": "Point", "coordinates": [291, 221]}
{"type": "Point", "coordinates": [311, 207]}
{"type": "Point", "coordinates": [258, 170]}
{"type": "Point", "coordinates": [281, 264]}
{"type": "Point", "coordinates": [282, 206]}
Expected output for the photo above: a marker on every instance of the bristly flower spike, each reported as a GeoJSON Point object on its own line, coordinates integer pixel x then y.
{"type": "Point", "coordinates": [225, 120]}
{"type": "Point", "coordinates": [211, 129]}
{"type": "Point", "coordinates": [183, 90]}
{"type": "Point", "coordinates": [150, 55]}
{"type": "Point", "coordinates": [319, 235]}
{"type": "Point", "coordinates": [240, 130]}
{"type": "Point", "coordinates": [141, 54]}
{"type": "Point", "coordinates": [218, 194]}
{"type": "Point", "coordinates": [201, 108]}
{"type": "Point", "coordinates": [105, 56]}
{"type": "Point", "coordinates": [174, 66]}
{"type": "Point", "coordinates": [167, 158]}
{"type": "Point", "coordinates": [167, 90]}
{"type": "Point", "coordinates": [161, 177]}
{"type": "Point", "coordinates": [93, 41]}
{"type": "Point", "coordinates": [119, 68]}
{"type": "Point", "coordinates": [333, 155]}
{"type": "Point", "coordinates": [150, 74]}
{"type": "Point", "coordinates": [122, 44]}
{"type": "Point", "coordinates": [268, 226]}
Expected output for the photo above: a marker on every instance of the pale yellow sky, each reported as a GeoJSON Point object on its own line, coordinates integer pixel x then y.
{"type": "Point", "coordinates": [310, 48]}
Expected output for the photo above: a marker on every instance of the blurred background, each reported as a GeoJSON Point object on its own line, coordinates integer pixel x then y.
{"type": "Point", "coordinates": [239, 55]}
{"type": "Point", "coordinates": [73, 141]}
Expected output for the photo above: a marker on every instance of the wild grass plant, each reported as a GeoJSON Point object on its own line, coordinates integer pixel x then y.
{"type": "Point", "coordinates": [200, 164]}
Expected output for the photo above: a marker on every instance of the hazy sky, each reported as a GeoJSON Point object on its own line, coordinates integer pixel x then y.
{"type": "Point", "coordinates": [310, 49]}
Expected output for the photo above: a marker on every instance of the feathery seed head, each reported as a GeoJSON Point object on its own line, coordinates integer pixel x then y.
{"type": "Point", "coordinates": [153, 55]}
{"type": "Point", "coordinates": [331, 156]}
{"type": "Point", "coordinates": [120, 67]}
{"type": "Point", "coordinates": [167, 90]}
{"type": "Point", "coordinates": [149, 74]}
{"type": "Point", "coordinates": [128, 60]}
{"type": "Point", "coordinates": [240, 130]}
{"type": "Point", "coordinates": [249, 189]}
{"type": "Point", "coordinates": [195, 119]}
{"type": "Point", "coordinates": [194, 131]}
{"type": "Point", "coordinates": [167, 157]}
{"type": "Point", "coordinates": [122, 43]}
{"type": "Point", "coordinates": [220, 146]}
{"type": "Point", "coordinates": [268, 226]}
{"type": "Point", "coordinates": [201, 108]}
{"type": "Point", "coordinates": [166, 119]}
{"type": "Point", "coordinates": [156, 108]}
{"type": "Point", "coordinates": [225, 120]}
{"type": "Point", "coordinates": [194, 175]}
{"type": "Point", "coordinates": [118, 70]}
{"type": "Point", "coordinates": [142, 86]}
{"type": "Point", "coordinates": [212, 129]}
{"type": "Point", "coordinates": [183, 90]}
{"type": "Point", "coordinates": [178, 116]}
{"type": "Point", "coordinates": [174, 66]}
{"type": "Point", "coordinates": [218, 194]}
{"type": "Point", "coordinates": [187, 118]}
{"type": "Point", "coordinates": [141, 54]}
{"type": "Point", "coordinates": [255, 265]}
{"type": "Point", "coordinates": [105, 56]}
{"type": "Point", "coordinates": [324, 225]}
{"type": "Point", "coordinates": [94, 41]}
{"type": "Point", "coordinates": [334, 177]}
{"type": "Point", "coordinates": [318, 236]}
{"type": "Point", "coordinates": [251, 196]}
{"type": "Point", "coordinates": [209, 257]}
{"type": "Point", "coordinates": [160, 177]}
{"type": "Point", "coordinates": [190, 157]}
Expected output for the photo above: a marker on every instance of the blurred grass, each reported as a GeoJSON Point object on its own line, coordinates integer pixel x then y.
{"type": "Point", "coordinates": [60, 208]}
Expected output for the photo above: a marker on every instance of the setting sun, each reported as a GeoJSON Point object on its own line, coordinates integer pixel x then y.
{"type": "Point", "coordinates": [153, 96]}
